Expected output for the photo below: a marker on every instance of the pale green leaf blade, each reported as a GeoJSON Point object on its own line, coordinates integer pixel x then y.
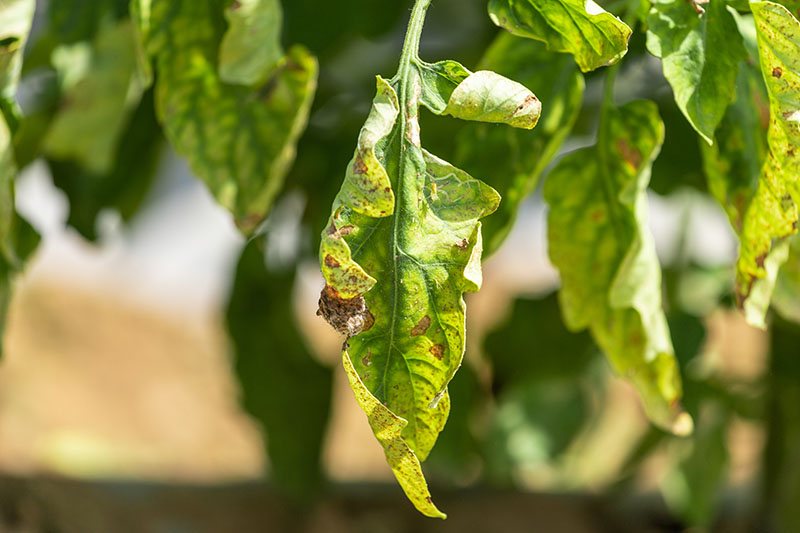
{"type": "Point", "coordinates": [700, 57]}
{"type": "Point", "coordinates": [611, 279]}
{"type": "Point", "coordinates": [395, 283]}
{"type": "Point", "coordinates": [559, 84]}
{"type": "Point", "coordinates": [772, 214]}
{"type": "Point", "coordinates": [388, 428]}
{"type": "Point", "coordinates": [95, 109]}
{"type": "Point", "coordinates": [251, 48]}
{"type": "Point", "coordinates": [786, 298]}
{"type": "Point", "coordinates": [239, 140]}
{"type": "Point", "coordinates": [594, 36]}
{"type": "Point", "coordinates": [438, 81]}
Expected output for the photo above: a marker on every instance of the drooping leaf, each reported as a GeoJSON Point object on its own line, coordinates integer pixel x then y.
{"type": "Point", "coordinates": [700, 56]}
{"type": "Point", "coordinates": [772, 214]}
{"type": "Point", "coordinates": [595, 37]}
{"type": "Point", "coordinates": [402, 246]}
{"type": "Point", "coordinates": [15, 23]}
{"type": "Point", "coordinates": [251, 48]}
{"type": "Point", "coordinates": [240, 140]}
{"type": "Point", "coordinates": [281, 385]}
{"type": "Point", "coordinates": [95, 108]}
{"type": "Point", "coordinates": [555, 79]}
{"type": "Point", "coordinates": [611, 279]}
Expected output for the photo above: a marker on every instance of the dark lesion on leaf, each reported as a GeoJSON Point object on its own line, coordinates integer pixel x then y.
{"type": "Point", "coordinates": [331, 261]}
{"type": "Point", "coordinates": [463, 244]}
{"type": "Point", "coordinates": [629, 153]}
{"type": "Point", "coordinates": [348, 316]}
{"type": "Point", "coordinates": [437, 350]}
{"type": "Point", "coordinates": [777, 72]}
{"type": "Point", "coordinates": [421, 327]}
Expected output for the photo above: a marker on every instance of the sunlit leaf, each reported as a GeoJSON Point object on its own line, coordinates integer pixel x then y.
{"type": "Point", "coordinates": [556, 81]}
{"type": "Point", "coordinates": [611, 279]}
{"type": "Point", "coordinates": [581, 27]}
{"type": "Point", "coordinates": [15, 23]}
{"type": "Point", "coordinates": [772, 214]}
{"type": "Point", "coordinates": [700, 56]}
{"type": "Point", "coordinates": [239, 140]}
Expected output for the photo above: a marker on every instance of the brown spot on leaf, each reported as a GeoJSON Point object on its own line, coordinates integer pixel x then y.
{"type": "Point", "coordinates": [235, 5]}
{"type": "Point", "coordinates": [777, 72]}
{"type": "Point", "coordinates": [359, 167]}
{"type": "Point", "coordinates": [463, 244]}
{"type": "Point", "coordinates": [437, 350]}
{"type": "Point", "coordinates": [366, 360]}
{"type": "Point", "coordinates": [348, 316]}
{"type": "Point", "coordinates": [630, 154]}
{"type": "Point", "coordinates": [331, 261]}
{"type": "Point", "coordinates": [421, 327]}
{"type": "Point", "coordinates": [346, 230]}
{"type": "Point", "coordinates": [760, 260]}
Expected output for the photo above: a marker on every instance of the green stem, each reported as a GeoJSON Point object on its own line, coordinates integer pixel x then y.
{"type": "Point", "coordinates": [413, 34]}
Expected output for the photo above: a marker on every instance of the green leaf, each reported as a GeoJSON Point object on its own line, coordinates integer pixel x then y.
{"type": "Point", "coordinates": [772, 214]}
{"type": "Point", "coordinates": [595, 37]}
{"type": "Point", "coordinates": [786, 298]}
{"type": "Point", "coordinates": [15, 23]}
{"type": "Point", "coordinates": [95, 109]}
{"type": "Point", "coordinates": [700, 56]}
{"type": "Point", "coordinates": [402, 246]}
{"type": "Point", "coordinates": [239, 140]}
{"type": "Point", "coordinates": [611, 279]}
{"type": "Point", "coordinates": [388, 428]}
{"type": "Point", "coordinates": [281, 385]}
{"type": "Point", "coordinates": [557, 82]}
{"type": "Point", "coordinates": [251, 48]}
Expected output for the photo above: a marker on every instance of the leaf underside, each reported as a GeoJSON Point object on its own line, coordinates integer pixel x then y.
{"type": "Point", "coordinates": [611, 279]}
{"type": "Point", "coordinates": [402, 246]}
{"type": "Point", "coordinates": [239, 139]}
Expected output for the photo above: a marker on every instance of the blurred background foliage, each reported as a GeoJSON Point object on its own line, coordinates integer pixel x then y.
{"type": "Point", "coordinates": [535, 407]}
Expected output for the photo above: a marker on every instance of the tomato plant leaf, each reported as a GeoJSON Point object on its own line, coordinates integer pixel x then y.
{"type": "Point", "coordinates": [95, 108]}
{"type": "Point", "coordinates": [251, 48]}
{"type": "Point", "coordinates": [584, 29]}
{"type": "Point", "coordinates": [611, 279]}
{"type": "Point", "coordinates": [786, 298]}
{"type": "Point", "coordinates": [555, 79]}
{"type": "Point", "coordinates": [700, 57]}
{"type": "Point", "coordinates": [772, 214]}
{"type": "Point", "coordinates": [239, 140]}
{"type": "Point", "coordinates": [403, 245]}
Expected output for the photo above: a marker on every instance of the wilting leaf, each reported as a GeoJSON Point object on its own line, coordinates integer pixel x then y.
{"type": "Point", "coordinates": [15, 23]}
{"type": "Point", "coordinates": [556, 81]}
{"type": "Point", "coordinates": [595, 37]}
{"type": "Point", "coordinates": [700, 56]}
{"type": "Point", "coordinates": [772, 214]}
{"type": "Point", "coordinates": [281, 385]}
{"type": "Point", "coordinates": [611, 279]}
{"type": "Point", "coordinates": [240, 140]}
{"type": "Point", "coordinates": [95, 108]}
{"type": "Point", "coordinates": [388, 428]}
{"type": "Point", "coordinates": [403, 244]}
{"type": "Point", "coordinates": [251, 48]}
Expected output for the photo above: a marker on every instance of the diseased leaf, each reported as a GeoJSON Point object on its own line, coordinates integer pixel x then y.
{"type": "Point", "coordinates": [251, 48]}
{"type": "Point", "coordinates": [96, 107]}
{"type": "Point", "coordinates": [556, 80]}
{"type": "Point", "coordinates": [772, 214]}
{"type": "Point", "coordinates": [281, 385]}
{"type": "Point", "coordinates": [700, 56]}
{"type": "Point", "coordinates": [598, 240]}
{"type": "Point", "coordinates": [786, 298]}
{"type": "Point", "coordinates": [239, 140]}
{"type": "Point", "coordinates": [388, 428]}
{"type": "Point", "coordinates": [584, 29]}
{"type": "Point", "coordinates": [402, 246]}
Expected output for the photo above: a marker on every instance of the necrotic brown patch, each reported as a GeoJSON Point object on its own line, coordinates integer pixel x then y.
{"type": "Point", "coordinates": [421, 327]}
{"type": "Point", "coordinates": [331, 261]}
{"type": "Point", "coordinates": [437, 350]}
{"type": "Point", "coordinates": [777, 72]}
